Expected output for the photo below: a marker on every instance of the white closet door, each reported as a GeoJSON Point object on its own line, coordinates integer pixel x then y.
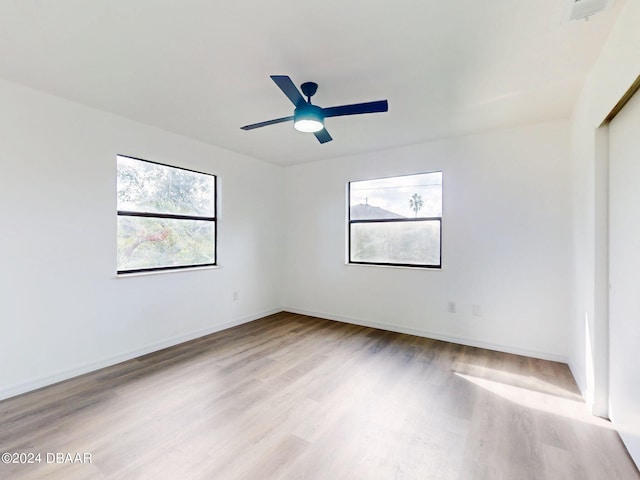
{"type": "Point", "coordinates": [624, 274]}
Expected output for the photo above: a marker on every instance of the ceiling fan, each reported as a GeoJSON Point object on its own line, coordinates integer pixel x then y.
{"type": "Point", "coordinates": [310, 118]}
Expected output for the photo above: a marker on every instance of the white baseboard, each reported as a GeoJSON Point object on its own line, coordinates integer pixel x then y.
{"type": "Point", "coordinates": [34, 384]}
{"type": "Point", "coordinates": [434, 335]}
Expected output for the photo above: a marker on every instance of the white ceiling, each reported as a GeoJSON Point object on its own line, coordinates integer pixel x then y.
{"type": "Point", "coordinates": [201, 68]}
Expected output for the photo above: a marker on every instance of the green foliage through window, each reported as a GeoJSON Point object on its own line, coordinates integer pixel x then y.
{"type": "Point", "coordinates": [166, 217]}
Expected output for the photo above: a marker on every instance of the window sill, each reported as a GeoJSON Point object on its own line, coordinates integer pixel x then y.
{"type": "Point", "coordinates": [164, 272]}
{"type": "Point", "coordinates": [402, 267]}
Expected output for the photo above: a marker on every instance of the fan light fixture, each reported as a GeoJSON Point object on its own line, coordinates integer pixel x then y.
{"type": "Point", "coordinates": [308, 118]}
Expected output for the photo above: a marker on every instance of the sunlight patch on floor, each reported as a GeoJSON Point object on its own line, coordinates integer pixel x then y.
{"type": "Point", "coordinates": [529, 382]}
{"type": "Point", "coordinates": [544, 402]}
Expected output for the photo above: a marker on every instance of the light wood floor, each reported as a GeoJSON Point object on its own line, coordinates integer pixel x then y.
{"type": "Point", "coordinates": [295, 397]}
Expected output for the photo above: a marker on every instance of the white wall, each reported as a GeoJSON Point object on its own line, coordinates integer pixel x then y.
{"type": "Point", "coordinates": [506, 242]}
{"type": "Point", "coordinates": [62, 309]}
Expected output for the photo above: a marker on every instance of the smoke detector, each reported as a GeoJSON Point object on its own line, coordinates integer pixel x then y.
{"type": "Point", "coordinates": [579, 9]}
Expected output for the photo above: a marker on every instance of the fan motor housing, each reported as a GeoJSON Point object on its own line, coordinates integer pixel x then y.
{"type": "Point", "coordinates": [308, 110]}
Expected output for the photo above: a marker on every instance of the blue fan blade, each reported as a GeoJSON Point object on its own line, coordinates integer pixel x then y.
{"type": "Point", "coordinates": [356, 109]}
{"type": "Point", "coordinates": [323, 136]}
{"type": "Point", "coordinates": [289, 89]}
{"type": "Point", "coordinates": [268, 122]}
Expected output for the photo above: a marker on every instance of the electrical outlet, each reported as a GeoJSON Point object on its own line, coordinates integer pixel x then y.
{"type": "Point", "coordinates": [476, 310]}
{"type": "Point", "coordinates": [236, 296]}
{"type": "Point", "coordinates": [451, 307]}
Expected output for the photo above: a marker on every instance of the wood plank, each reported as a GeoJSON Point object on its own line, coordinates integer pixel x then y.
{"type": "Point", "coordinates": [291, 396]}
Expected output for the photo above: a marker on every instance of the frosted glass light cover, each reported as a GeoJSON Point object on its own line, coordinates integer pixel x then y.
{"type": "Point", "coordinates": [307, 125]}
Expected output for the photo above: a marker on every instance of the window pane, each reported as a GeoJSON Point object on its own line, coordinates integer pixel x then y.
{"type": "Point", "coordinates": [415, 243]}
{"type": "Point", "coordinates": [409, 196]}
{"type": "Point", "coordinates": [161, 242]}
{"type": "Point", "coordinates": [149, 187]}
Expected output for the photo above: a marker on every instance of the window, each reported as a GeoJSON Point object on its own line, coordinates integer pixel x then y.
{"type": "Point", "coordinates": [166, 217]}
{"type": "Point", "coordinates": [396, 221]}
